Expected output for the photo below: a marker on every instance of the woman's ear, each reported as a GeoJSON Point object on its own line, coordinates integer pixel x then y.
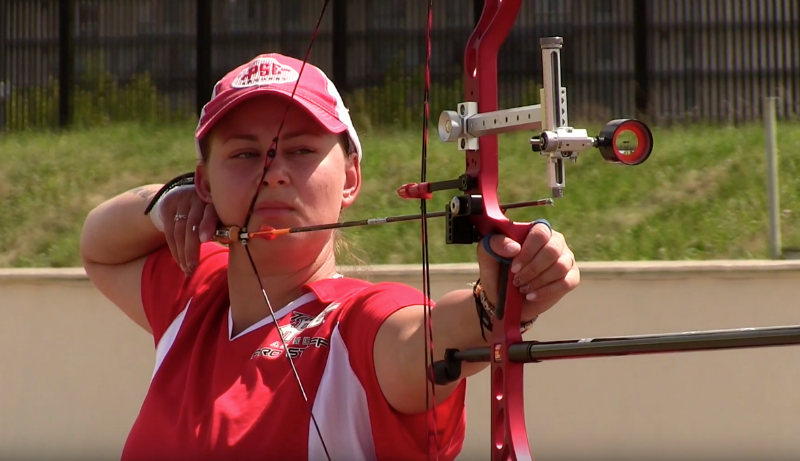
{"type": "Point", "coordinates": [201, 183]}
{"type": "Point", "coordinates": [352, 181]}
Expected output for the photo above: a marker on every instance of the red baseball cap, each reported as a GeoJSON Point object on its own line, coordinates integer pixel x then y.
{"type": "Point", "coordinates": [275, 73]}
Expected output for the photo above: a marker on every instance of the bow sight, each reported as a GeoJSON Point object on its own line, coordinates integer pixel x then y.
{"type": "Point", "coordinates": [557, 141]}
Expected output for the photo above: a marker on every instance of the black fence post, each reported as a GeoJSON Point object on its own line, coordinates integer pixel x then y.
{"type": "Point", "coordinates": [641, 73]}
{"type": "Point", "coordinates": [5, 73]}
{"type": "Point", "coordinates": [203, 85]}
{"type": "Point", "coordinates": [339, 44]}
{"type": "Point", "coordinates": [477, 10]}
{"type": "Point", "coordinates": [66, 61]}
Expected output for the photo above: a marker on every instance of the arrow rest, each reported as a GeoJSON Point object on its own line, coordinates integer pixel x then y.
{"type": "Point", "coordinates": [458, 228]}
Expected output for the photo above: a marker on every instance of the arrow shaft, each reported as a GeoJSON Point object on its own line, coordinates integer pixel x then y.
{"type": "Point", "coordinates": [385, 220]}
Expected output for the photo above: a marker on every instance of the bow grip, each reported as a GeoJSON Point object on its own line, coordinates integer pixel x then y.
{"type": "Point", "coordinates": [509, 434]}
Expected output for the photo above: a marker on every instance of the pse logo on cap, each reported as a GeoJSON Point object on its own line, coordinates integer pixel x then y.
{"type": "Point", "coordinates": [265, 71]}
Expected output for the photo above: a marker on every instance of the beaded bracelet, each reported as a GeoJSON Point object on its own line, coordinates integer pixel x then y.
{"type": "Point", "coordinates": [486, 310]}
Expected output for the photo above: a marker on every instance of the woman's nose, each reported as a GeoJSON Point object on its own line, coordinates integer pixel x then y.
{"type": "Point", "coordinates": [276, 174]}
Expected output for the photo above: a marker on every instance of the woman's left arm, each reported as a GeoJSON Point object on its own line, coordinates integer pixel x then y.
{"type": "Point", "coordinates": [543, 268]}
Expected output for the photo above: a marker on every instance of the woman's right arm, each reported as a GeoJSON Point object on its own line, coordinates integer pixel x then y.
{"type": "Point", "coordinates": [116, 239]}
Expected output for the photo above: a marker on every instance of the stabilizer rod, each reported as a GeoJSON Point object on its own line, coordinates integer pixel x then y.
{"type": "Point", "coordinates": [449, 369]}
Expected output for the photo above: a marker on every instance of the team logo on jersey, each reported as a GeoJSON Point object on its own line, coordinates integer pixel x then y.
{"type": "Point", "coordinates": [265, 71]}
{"type": "Point", "coordinates": [293, 335]}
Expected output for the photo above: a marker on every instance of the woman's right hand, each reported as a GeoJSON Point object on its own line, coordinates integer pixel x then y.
{"type": "Point", "coordinates": [188, 222]}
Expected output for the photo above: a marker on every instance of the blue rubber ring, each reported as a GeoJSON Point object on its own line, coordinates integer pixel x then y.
{"type": "Point", "coordinates": [545, 222]}
{"type": "Point", "coordinates": [494, 255]}
{"type": "Point", "coordinates": [501, 259]}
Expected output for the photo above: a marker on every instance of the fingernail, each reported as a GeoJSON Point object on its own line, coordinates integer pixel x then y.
{"type": "Point", "coordinates": [525, 288]}
{"type": "Point", "coordinates": [512, 246]}
{"type": "Point", "coordinates": [515, 268]}
{"type": "Point", "coordinates": [530, 296]}
{"type": "Point", "coordinates": [517, 280]}
{"type": "Point", "coordinates": [190, 268]}
{"type": "Point", "coordinates": [204, 237]}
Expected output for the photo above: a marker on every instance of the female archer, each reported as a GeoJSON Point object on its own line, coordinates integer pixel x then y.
{"type": "Point", "coordinates": [222, 387]}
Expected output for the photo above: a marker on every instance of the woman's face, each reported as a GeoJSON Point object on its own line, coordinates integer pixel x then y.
{"type": "Point", "coordinates": [309, 181]}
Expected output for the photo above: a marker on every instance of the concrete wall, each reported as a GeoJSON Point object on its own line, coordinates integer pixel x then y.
{"type": "Point", "coordinates": [73, 370]}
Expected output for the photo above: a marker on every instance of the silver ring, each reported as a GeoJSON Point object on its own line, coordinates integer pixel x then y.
{"type": "Point", "coordinates": [178, 217]}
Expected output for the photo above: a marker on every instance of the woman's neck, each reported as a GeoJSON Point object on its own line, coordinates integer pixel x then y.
{"type": "Point", "coordinates": [248, 305]}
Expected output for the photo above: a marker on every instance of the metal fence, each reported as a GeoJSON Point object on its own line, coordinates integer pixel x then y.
{"type": "Point", "coordinates": [79, 62]}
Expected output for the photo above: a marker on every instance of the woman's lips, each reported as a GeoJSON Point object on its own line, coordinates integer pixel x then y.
{"type": "Point", "coordinates": [272, 209]}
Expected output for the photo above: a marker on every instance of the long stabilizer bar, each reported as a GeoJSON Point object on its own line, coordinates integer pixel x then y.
{"type": "Point", "coordinates": [449, 369]}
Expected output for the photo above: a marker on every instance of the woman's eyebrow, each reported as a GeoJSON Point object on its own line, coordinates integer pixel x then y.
{"type": "Point", "coordinates": [240, 137]}
{"type": "Point", "coordinates": [298, 134]}
{"type": "Point", "coordinates": [284, 136]}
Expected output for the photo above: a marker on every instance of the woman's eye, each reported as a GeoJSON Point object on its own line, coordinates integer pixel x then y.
{"type": "Point", "coordinates": [247, 155]}
{"type": "Point", "coordinates": [301, 151]}
{"type": "Point", "coordinates": [293, 151]}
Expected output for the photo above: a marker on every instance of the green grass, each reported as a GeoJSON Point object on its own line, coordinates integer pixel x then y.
{"type": "Point", "coordinates": [700, 196]}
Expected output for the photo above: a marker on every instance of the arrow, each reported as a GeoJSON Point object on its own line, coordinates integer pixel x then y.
{"type": "Point", "coordinates": [224, 235]}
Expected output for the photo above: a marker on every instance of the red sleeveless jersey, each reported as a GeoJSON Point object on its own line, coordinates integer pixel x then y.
{"type": "Point", "coordinates": [217, 397]}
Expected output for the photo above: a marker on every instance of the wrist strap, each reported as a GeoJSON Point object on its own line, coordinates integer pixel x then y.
{"type": "Point", "coordinates": [154, 210]}
{"type": "Point", "coordinates": [182, 180]}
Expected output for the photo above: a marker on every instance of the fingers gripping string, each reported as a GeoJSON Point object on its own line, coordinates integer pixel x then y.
{"type": "Point", "coordinates": [271, 154]}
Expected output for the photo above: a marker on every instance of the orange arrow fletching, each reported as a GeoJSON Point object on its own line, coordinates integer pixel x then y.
{"type": "Point", "coordinates": [269, 233]}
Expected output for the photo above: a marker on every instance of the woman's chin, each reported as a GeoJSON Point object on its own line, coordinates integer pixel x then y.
{"type": "Point", "coordinates": [285, 254]}
{"type": "Point", "coordinates": [292, 245]}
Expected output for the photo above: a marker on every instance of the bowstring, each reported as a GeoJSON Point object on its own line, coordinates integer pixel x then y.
{"type": "Point", "coordinates": [271, 154]}
{"type": "Point", "coordinates": [427, 315]}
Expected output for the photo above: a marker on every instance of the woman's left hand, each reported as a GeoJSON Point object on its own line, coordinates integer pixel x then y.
{"type": "Point", "coordinates": [543, 268]}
